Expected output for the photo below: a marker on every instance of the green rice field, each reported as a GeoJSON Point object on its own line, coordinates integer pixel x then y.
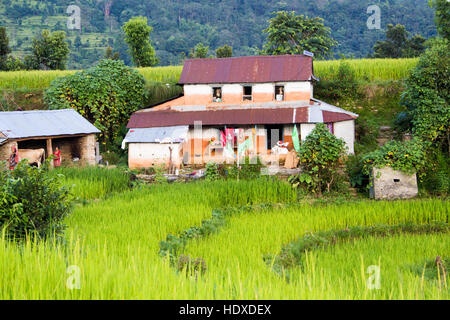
{"type": "Point", "coordinates": [365, 70]}
{"type": "Point", "coordinates": [113, 243]}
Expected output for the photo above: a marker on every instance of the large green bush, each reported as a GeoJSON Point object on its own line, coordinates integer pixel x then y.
{"type": "Point", "coordinates": [427, 96]}
{"type": "Point", "coordinates": [320, 156]}
{"type": "Point", "coordinates": [106, 95]}
{"type": "Point", "coordinates": [32, 201]}
{"type": "Point", "coordinates": [408, 157]}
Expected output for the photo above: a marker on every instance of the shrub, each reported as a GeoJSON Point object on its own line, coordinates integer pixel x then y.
{"type": "Point", "coordinates": [247, 170]}
{"type": "Point", "coordinates": [212, 171]}
{"type": "Point", "coordinates": [354, 168]}
{"type": "Point", "coordinates": [320, 156]}
{"type": "Point", "coordinates": [343, 84]}
{"type": "Point", "coordinates": [408, 157]}
{"type": "Point", "coordinates": [106, 95]}
{"type": "Point", "coordinates": [437, 174]}
{"type": "Point", "coordinates": [32, 201]}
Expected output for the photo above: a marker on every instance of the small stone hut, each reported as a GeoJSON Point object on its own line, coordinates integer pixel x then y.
{"type": "Point", "coordinates": [393, 184]}
{"type": "Point", "coordinates": [47, 129]}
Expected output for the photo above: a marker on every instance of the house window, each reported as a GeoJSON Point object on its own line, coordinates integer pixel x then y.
{"type": "Point", "coordinates": [279, 93]}
{"type": "Point", "coordinates": [247, 93]}
{"type": "Point", "coordinates": [217, 94]}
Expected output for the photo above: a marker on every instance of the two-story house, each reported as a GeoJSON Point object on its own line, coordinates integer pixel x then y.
{"type": "Point", "coordinates": [231, 100]}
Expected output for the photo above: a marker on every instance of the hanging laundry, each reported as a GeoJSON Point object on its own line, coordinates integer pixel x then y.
{"type": "Point", "coordinates": [229, 133]}
{"type": "Point", "coordinates": [295, 139]}
{"type": "Point", "coordinates": [223, 138]}
{"type": "Point", "coordinates": [246, 145]}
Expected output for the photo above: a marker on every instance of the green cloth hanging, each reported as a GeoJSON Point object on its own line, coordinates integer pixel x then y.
{"type": "Point", "coordinates": [295, 139]}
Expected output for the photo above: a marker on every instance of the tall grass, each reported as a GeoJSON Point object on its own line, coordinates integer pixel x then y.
{"type": "Point", "coordinates": [365, 69]}
{"type": "Point", "coordinates": [115, 243]}
{"type": "Point", "coordinates": [93, 182]}
{"type": "Point", "coordinates": [368, 69]}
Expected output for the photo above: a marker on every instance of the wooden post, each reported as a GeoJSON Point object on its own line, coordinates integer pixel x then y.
{"type": "Point", "coordinates": [50, 151]}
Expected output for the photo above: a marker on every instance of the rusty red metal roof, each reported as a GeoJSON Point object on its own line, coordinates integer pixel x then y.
{"type": "Point", "coordinates": [329, 116]}
{"type": "Point", "coordinates": [163, 118]}
{"type": "Point", "coordinates": [254, 69]}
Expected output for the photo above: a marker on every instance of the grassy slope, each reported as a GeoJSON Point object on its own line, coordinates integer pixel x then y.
{"type": "Point", "coordinates": [115, 243]}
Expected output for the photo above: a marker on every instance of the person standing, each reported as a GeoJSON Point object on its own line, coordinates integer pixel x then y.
{"type": "Point", "coordinates": [13, 158]}
{"type": "Point", "coordinates": [57, 158]}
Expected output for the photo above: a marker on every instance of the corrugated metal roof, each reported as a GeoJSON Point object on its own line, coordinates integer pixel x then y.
{"type": "Point", "coordinates": [157, 135]}
{"type": "Point", "coordinates": [2, 140]}
{"type": "Point", "coordinates": [218, 117]}
{"type": "Point", "coordinates": [315, 111]}
{"type": "Point", "coordinates": [335, 116]}
{"type": "Point", "coordinates": [255, 69]}
{"type": "Point", "coordinates": [44, 123]}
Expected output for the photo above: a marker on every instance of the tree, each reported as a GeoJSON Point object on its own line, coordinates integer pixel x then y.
{"type": "Point", "coordinates": [442, 17]}
{"type": "Point", "coordinates": [291, 34]}
{"type": "Point", "coordinates": [77, 43]}
{"type": "Point", "coordinates": [4, 48]}
{"type": "Point", "coordinates": [320, 156]}
{"type": "Point", "coordinates": [106, 95]}
{"type": "Point", "coordinates": [51, 50]}
{"type": "Point", "coordinates": [397, 44]}
{"type": "Point", "coordinates": [30, 63]}
{"type": "Point", "coordinates": [414, 47]}
{"type": "Point", "coordinates": [109, 54]}
{"type": "Point", "coordinates": [200, 51]}
{"type": "Point", "coordinates": [427, 95]}
{"type": "Point", "coordinates": [137, 34]}
{"type": "Point", "coordinates": [224, 52]}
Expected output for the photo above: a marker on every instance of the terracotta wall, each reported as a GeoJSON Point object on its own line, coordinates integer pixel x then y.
{"type": "Point", "coordinates": [233, 93]}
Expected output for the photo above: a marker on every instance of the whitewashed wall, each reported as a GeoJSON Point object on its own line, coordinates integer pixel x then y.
{"type": "Point", "coordinates": [305, 129]}
{"type": "Point", "coordinates": [303, 86]}
{"type": "Point", "coordinates": [346, 131]}
{"type": "Point", "coordinates": [206, 89]}
{"type": "Point", "coordinates": [197, 89]}
{"type": "Point", "coordinates": [142, 154]}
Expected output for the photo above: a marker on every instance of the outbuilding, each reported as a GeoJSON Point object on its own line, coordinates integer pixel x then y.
{"type": "Point", "coordinates": [66, 129]}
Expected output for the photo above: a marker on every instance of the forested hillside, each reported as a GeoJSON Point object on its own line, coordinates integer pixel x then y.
{"type": "Point", "coordinates": [179, 25]}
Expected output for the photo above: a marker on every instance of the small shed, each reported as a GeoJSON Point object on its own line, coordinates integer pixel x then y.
{"type": "Point", "coordinates": [148, 147]}
{"type": "Point", "coordinates": [393, 184]}
{"type": "Point", "coordinates": [47, 129]}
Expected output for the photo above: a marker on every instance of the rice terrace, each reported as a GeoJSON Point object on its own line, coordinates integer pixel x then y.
{"type": "Point", "coordinates": [142, 164]}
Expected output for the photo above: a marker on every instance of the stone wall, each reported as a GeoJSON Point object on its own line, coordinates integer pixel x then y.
{"type": "Point", "coordinates": [393, 184]}
{"type": "Point", "coordinates": [87, 149]}
{"type": "Point", "coordinates": [5, 150]}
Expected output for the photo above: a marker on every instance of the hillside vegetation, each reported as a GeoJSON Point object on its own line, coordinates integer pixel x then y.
{"type": "Point", "coordinates": [367, 70]}
{"type": "Point", "coordinates": [179, 25]}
